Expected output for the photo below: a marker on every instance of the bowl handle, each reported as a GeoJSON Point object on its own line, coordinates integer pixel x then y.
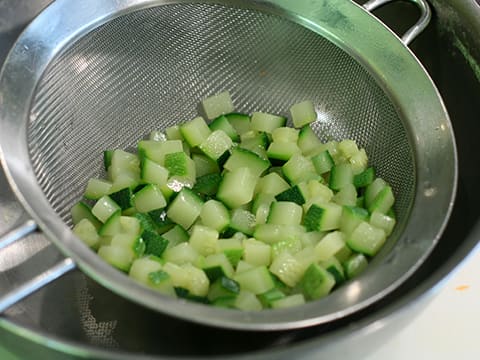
{"type": "Point", "coordinates": [29, 287]}
{"type": "Point", "coordinates": [415, 30]}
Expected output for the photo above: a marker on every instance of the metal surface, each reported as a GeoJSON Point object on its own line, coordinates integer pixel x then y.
{"type": "Point", "coordinates": [413, 32]}
{"type": "Point", "coordinates": [51, 325]}
{"type": "Point", "coordinates": [49, 151]}
{"type": "Point", "coordinates": [18, 232]}
{"type": "Point", "coordinates": [39, 281]}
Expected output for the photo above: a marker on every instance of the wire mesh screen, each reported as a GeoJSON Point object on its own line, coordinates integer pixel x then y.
{"type": "Point", "coordinates": [149, 69]}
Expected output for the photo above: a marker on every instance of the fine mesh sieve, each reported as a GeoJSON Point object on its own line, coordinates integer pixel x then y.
{"type": "Point", "coordinates": [104, 76]}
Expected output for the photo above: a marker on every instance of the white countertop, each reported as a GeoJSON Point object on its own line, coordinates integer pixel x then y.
{"type": "Point", "coordinates": [449, 327]}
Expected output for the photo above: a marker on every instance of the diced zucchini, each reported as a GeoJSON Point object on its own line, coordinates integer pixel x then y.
{"type": "Point", "coordinates": [354, 265]}
{"type": "Point", "coordinates": [366, 239]}
{"type": "Point", "coordinates": [243, 266]}
{"type": "Point", "coordinates": [146, 222]}
{"type": "Point", "coordinates": [195, 131]}
{"type": "Point", "coordinates": [266, 122]}
{"type": "Point", "coordinates": [149, 198]}
{"type": "Point", "coordinates": [161, 220]}
{"type": "Point", "coordinates": [156, 150]}
{"type": "Point", "coordinates": [124, 180]}
{"type": "Point", "coordinates": [285, 135]}
{"type": "Point", "coordinates": [185, 208]}
{"type": "Point", "coordinates": [240, 122]}
{"type": "Point", "coordinates": [257, 144]}
{"type": "Point", "coordinates": [383, 201]}
{"type": "Point", "coordinates": [352, 216]}
{"type": "Point", "coordinates": [162, 282]}
{"type": "Point", "coordinates": [287, 268]}
{"type": "Point", "coordinates": [215, 215]}
{"type": "Point", "coordinates": [257, 252]}
{"type": "Point", "coordinates": [217, 105]}
{"type": "Point", "coordinates": [270, 296]}
{"type": "Point", "coordinates": [245, 158]}
{"type": "Point", "coordinates": [308, 141]}
{"type": "Point", "coordinates": [271, 184]}
{"type": "Point", "coordinates": [81, 211]}
{"type": "Point", "coordinates": [323, 217]}
{"type": "Point", "coordinates": [316, 282]}
{"type": "Point", "coordinates": [197, 280]}
{"type": "Point", "coordinates": [155, 244]}
{"type": "Point", "coordinates": [347, 195]}
{"type": "Point", "coordinates": [329, 245]}
{"type": "Point", "coordinates": [96, 188]}
{"type": "Point", "coordinates": [153, 173]}
{"type": "Point", "coordinates": [173, 133]}
{"type": "Point", "coordinates": [348, 148]}
{"type": "Point", "coordinates": [269, 233]}
{"type": "Point", "coordinates": [318, 190]}
{"type": "Point", "coordinates": [176, 235]}
{"type": "Point", "coordinates": [125, 240]}
{"type": "Point", "coordinates": [247, 301]}
{"type": "Point", "coordinates": [334, 267]}
{"type": "Point", "coordinates": [382, 221]}
{"type": "Point", "coordinates": [256, 280]}
{"type": "Point", "coordinates": [141, 268]}
{"type": "Point", "coordinates": [104, 208]}
{"type": "Point", "coordinates": [288, 301]}
{"type": "Point", "coordinates": [340, 175]}
{"type": "Point", "coordinates": [359, 161]}
{"type": "Point", "coordinates": [222, 123]}
{"type": "Point", "coordinates": [232, 248]}
{"type": "Point", "coordinates": [204, 240]}
{"type": "Point", "coordinates": [311, 238]}
{"type": "Point", "coordinates": [285, 213]}
{"type": "Point", "coordinates": [223, 287]}
{"type": "Point", "coordinates": [117, 256]}
{"type": "Point", "coordinates": [123, 198]}
{"type": "Point", "coordinates": [112, 225]}
{"type": "Point", "coordinates": [296, 194]}
{"type": "Point", "coordinates": [373, 190]}
{"type": "Point", "coordinates": [207, 185]}
{"type": "Point", "coordinates": [216, 144]}
{"type": "Point", "coordinates": [123, 161]}
{"type": "Point", "coordinates": [290, 244]}
{"type": "Point", "coordinates": [107, 158]}
{"type": "Point", "coordinates": [217, 266]}
{"type": "Point", "coordinates": [365, 178]}
{"type": "Point", "coordinates": [303, 113]}
{"type": "Point", "coordinates": [87, 232]}
{"type": "Point", "coordinates": [180, 165]}
{"type": "Point", "coordinates": [181, 253]}
{"type": "Point", "coordinates": [130, 225]}
{"type": "Point", "coordinates": [323, 162]}
{"type": "Point", "coordinates": [242, 221]}
{"type": "Point", "coordinates": [282, 151]}
{"type": "Point", "coordinates": [204, 165]}
{"type": "Point", "coordinates": [291, 228]}
{"type": "Point", "coordinates": [157, 135]}
{"type": "Point", "coordinates": [299, 168]}
{"type": "Point", "coordinates": [229, 190]}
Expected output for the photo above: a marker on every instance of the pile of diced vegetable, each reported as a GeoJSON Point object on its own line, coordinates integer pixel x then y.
{"type": "Point", "coordinates": [241, 211]}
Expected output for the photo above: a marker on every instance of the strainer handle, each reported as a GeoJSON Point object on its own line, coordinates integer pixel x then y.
{"type": "Point", "coordinates": [29, 287]}
{"type": "Point", "coordinates": [415, 30]}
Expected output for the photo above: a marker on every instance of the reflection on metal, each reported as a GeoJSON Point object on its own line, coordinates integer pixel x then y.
{"type": "Point", "coordinates": [17, 233]}
{"type": "Point", "coordinates": [36, 283]}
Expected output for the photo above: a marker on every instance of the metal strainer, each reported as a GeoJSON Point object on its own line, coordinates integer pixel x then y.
{"type": "Point", "coordinates": [93, 75]}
